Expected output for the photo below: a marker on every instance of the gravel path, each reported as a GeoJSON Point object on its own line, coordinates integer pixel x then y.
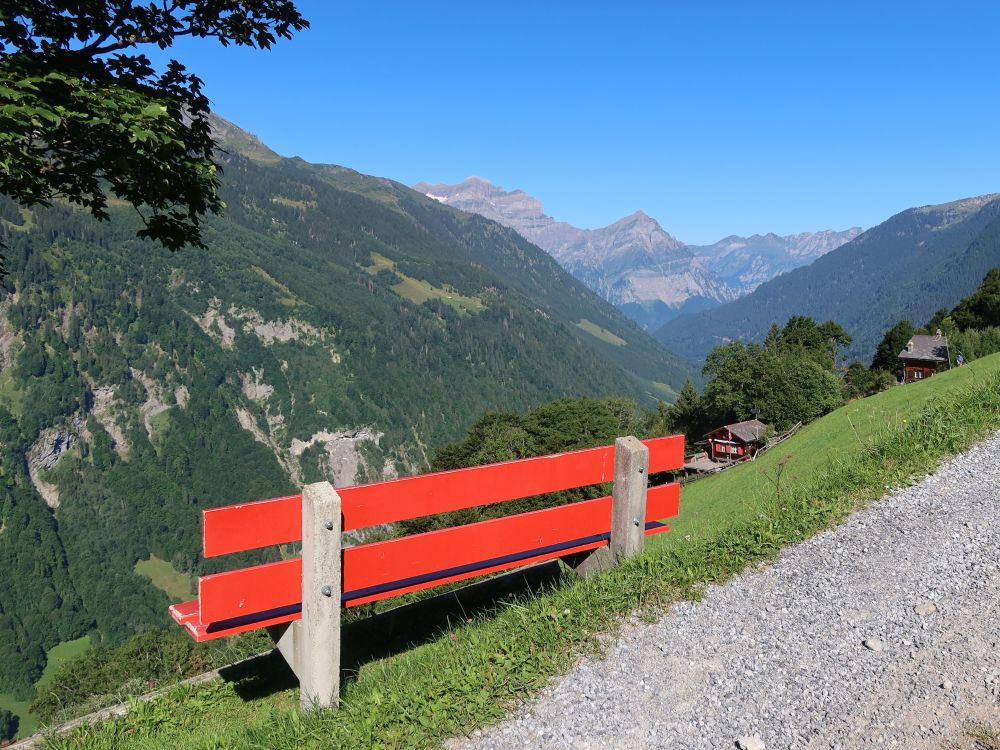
{"type": "Point", "coordinates": [882, 632]}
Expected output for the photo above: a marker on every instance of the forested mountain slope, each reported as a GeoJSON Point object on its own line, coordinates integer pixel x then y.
{"type": "Point", "coordinates": [337, 326]}
{"type": "Point", "coordinates": [914, 263]}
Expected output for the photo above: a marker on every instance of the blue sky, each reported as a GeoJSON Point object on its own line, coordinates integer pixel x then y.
{"type": "Point", "coordinates": [715, 118]}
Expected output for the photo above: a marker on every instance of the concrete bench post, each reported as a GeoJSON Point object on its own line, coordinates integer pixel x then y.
{"type": "Point", "coordinates": [628, 501]}
{"type": "Point", "coordinates": [628, 509]}
{"type": "Point", "coordinates": [317, 647]}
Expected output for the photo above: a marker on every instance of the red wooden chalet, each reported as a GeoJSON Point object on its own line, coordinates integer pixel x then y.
{"type": "Point", "coordinates": [734, 442]}
{"type": "Point", "coordinates": [924, 356]}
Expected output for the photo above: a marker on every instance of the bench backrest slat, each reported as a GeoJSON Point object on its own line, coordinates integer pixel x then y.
{"type": "Point", "coordinates": [384, 569]}
{"type": "Point", "coordinates": [251, 525]}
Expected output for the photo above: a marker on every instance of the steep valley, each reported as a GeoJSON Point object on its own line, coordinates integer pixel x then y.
{"type": "Point", "coordinates": [337, 326]}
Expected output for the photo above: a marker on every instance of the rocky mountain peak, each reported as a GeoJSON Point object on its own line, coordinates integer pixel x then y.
{"type": "Point", "coordinates": [480, 196]}
{"type": "Point", "coordinates": [642, 228]}
{"type": "Point", "coordinates": [633, 262]}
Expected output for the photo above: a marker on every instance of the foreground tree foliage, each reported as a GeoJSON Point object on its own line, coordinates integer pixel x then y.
{"type": "Point", "coordinates": [8, 725]}
{"type": "Point", "coordinates": [687, 415]}
{"type": "Point", "coordinates": [981, 309]}
{"type": "Point", "coordinates": [887, 355]}
{"type": "Point", "coordinates": [859, 381]}
{"type": "Point", "coordinates": [780, 389]}
{"type": "Point", "coordinates": [85, 115]}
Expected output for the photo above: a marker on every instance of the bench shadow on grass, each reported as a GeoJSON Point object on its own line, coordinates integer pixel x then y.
{"type": "Point", "coordinates": [397, 630]}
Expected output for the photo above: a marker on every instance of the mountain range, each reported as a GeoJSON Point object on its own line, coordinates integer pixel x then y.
{"type": "Point", "coordinates": [747, 262]}
{"type": "Point", "coordinates": [338, 326]}
{"type": "Point", "coordinates": [911, 265]}
{"type": "Point", "coordinates": [634, 263]}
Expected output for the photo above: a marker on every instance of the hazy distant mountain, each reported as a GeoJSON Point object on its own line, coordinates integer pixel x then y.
{"type": "Point", "coordinates": [634, 263]}
{"type": "Point", "coordinates": [747, 262]}
{"type": "Point", "coordinates": [909, 266]}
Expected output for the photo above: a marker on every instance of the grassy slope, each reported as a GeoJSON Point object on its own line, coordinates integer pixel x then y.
{"type": "Point", "coordinates": [472, 674]}
{"type": "Point", "coordinates": [735, 495]}
{"type": "Point", "coordinates": [166, 578]}
{"type": "Point", "coordinates": [56, 656]}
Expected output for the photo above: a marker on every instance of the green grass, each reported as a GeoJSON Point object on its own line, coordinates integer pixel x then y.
{"type": "Point", "coordinates": [60, 654]}
{"type": "Point", "coordinates": [289, 298]}
{"type": "Point", "coordinates": [663, 390]}
{"type": "Point", "coordinates": [600, 333]}
{"type": "Point", "coordinates": [476, 670]}
{"type": "Point", "coordinates": [27, 723]}
{"type": "Point", "coordinates": [27, 221]}
{"type": "Point", "coordinates": [291, 203]}
{"type": "Point", "coordinates": [159, 424]}
{"type": "Point", "coordinates": [10, 396]}
{"type": "Point", "coordinates": [166, 578]}
{"type": "Point", "coordinates": [56, 656]}
{"type": "Point", "coordinates": [985, 737]}
{"type": "Point", "coordinates": [379, 263]}
{"type": "Point", "coordinates": [418, 291]}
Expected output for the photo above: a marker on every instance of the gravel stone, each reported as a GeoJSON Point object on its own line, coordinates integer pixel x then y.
{"type": "Point", "coordinates": [750, 743]}
{"type": "Point", "coordinates": [873, 644]}
{"type": "Point", "coordinates": [773, 653]}
{"type": "Point", "coordinates": [927, 608]}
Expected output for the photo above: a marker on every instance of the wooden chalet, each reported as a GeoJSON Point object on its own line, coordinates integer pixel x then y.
{"type": "Point", "coordinates": [734, 442]}
{"type": "Point", "coordinates": [924, 356]}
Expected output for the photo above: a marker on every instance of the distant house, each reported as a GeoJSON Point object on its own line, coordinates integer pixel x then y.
{"type": "Point", "coordinates": [733, 442]}
{"type": "Point", "coordinates": [924, 356]}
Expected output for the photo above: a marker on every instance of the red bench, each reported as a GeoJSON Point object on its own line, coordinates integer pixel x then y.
{"type": "Point", "coordinates": [276, 594]}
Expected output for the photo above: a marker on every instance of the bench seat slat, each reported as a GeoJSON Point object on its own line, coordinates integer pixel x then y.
{"type": "Point", "coordinates": [652, 527]}
{"type": "Point", "coordinates": [201, 632]}
{"type": "Point", "coordinates": [246, 526]}
{"type": "Point", "coordinates": [184, 611]}
{"type": "Point", "coordinates": [384, 569]}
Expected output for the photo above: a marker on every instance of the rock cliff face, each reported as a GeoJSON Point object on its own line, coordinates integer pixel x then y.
{"type": "Point", "coordinates": [634, 263]}
{"type": "Point", "coordinates": [43, 455]}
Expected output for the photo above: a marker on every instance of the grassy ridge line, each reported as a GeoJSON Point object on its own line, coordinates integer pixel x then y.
{"type": "Point", "coordinates": [473, 675]}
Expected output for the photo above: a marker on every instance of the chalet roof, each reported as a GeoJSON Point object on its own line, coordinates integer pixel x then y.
{"type": "Point", "coordinates": [927, 348]}
{"type": "Point", "coordinates": [749, 431]}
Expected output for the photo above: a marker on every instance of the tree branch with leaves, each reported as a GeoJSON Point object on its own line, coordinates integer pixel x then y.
{"type": "Point", "coordinates": [85, 117]}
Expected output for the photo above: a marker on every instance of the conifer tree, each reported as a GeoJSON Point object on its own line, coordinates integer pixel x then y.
{"type": "Point", "coordinates": [887, 354]}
